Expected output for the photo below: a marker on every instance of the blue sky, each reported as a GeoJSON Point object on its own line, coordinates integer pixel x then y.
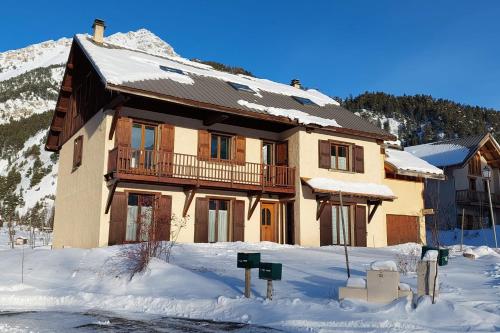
{"type": "Point", "coordinates": [450, 49]}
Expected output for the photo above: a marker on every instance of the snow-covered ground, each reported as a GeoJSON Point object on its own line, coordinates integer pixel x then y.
{"type": "Point", "coordinates": [202, 282]}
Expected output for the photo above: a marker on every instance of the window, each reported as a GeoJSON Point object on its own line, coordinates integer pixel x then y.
{"type": "Point", "coordinates": [339, 157]}
{"type": "Point", "coordinates": [139, 217]}
{"type": "Point", "coordinates": [171, 70]}
{"type": "Point", "coordinates": [143, 145]}
{"type": "Point", "coordinates": [241, 87]}
{"type": "Point", "coordinates": [337, 233]}
{"type": "Point", "coordinates": [304, 101]}
{"type": "Point", "coordinates": [220, 146]}
{"type": "Point", "coordinates": [472, 184]}
{"type": "Point", "coordinates": [218, 220]}
{"type": "Point", "coordinates": [77, 152]}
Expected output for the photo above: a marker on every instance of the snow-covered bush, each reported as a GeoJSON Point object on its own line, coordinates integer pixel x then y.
{"type": "Point", "coordinates": [406, 261]}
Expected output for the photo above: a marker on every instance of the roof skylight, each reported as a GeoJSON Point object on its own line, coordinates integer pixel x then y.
{"type": "Point", "coordinates": [171, 70]}
{"type": "Point", "coordinates": [304, 101]}
{"type": "Point", "coordinates": [242, 87]}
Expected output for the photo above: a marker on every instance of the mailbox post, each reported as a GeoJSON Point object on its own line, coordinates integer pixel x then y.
{"type": "Point", "coordinates": [270, 271]}
{"type": "Point", "coordinates": [248, 261]}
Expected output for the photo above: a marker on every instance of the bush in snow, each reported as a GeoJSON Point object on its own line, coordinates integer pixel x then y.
{"type": "Point", "coordinates": [406, 261]}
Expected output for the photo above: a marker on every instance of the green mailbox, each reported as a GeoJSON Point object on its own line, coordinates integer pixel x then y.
{"type": "Point", "coordinates": [248, 260]}
{"type": "Point", "coordinates": [270, 271]}
{"type": "Point", "coordinates": [442, 254]}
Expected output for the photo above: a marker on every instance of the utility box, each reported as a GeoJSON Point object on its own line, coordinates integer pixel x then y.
{"type": "Point", "coordinates": [383, 286]}
{"type": "Point", "coordinates": [443, 254]}
{"type": "Point", "coordinates": [270, 271]}
{"type": "Point", "coordinates": [248, 260]}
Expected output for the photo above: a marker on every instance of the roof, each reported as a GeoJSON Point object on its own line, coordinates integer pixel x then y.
{"type": "Point", "coordinates": [134, 71]}
{"type": "Point", "coordinates": [361, 189]}
{"type": "Point", "coordinates": [449, 152]}
{"type": "Point", "coordinates": [408, 164]}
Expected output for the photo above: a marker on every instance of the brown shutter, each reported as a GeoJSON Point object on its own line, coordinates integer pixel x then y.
{"type": "Point", "coordinates": [239, 221]}
{"type": "Point", "coordinates": [282, 153]}
{"type": "Point", "coordinates": [324, 154]}
{"type": "Point", "coordinates": [325, 226]}
{"type": "Point", "coordinates": [118, 219]}
{"type": "Point", "coordinates": [360, 225]}
{"type": "Point", "coordinates": [203, 145]}
{"type": "Point", "coordinates": [359, 159]}
{"type": "Point", "coordinates": [201, 221]}
{"type": "Point", "coordinates": [164, 217]}
{"type": "Point", "coordinates": [77, 152]}
{"type": "Point", "coordinates": [240, 148]}
{"type": "Point", "coordinates": [166, 156]}
{"type": "Point", "coordinates": [124, 132]}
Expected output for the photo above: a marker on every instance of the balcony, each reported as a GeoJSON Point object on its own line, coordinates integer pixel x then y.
{"type": "Point", "coordinates": [160, 167]}
{"type": "Point", "coordinates": [476, 198]}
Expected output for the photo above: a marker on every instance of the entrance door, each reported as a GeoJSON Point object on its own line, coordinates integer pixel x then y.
{"type": "Point", "coordinates": [267, 222]}
{"type": "Point", "coordinates": [143, 145]}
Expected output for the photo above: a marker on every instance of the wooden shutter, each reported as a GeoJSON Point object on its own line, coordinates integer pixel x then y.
{"type": "Point", "coordinates": [360, 225]}
{"type": "Point", "coordinates": [325, 226]}
{"type": "Point", "coordinates": [118, 219]}
{"type": "Point", "coordinates": [240, 148]}
{"type": "Point", "coordinates": [324, 154]}
{"type": "Point", "coordinates": [203, 145]}
{"type": "Point", "coordinates": [77, 152]}
{"type": "Point", "coordinates": [201, 221]}
{"type": "Point", "coordinates": [282, 153]}
{"type": "Point", "coordinates": [359, 159]}
{"type": "Point", "coordinates": [166, 146]}
{"type": "Point", "coordinates": [124, 132]}
{"type": "Point", "coordinates": [164, 217]}
{"type": "Point", "coordinates": [239, 221]}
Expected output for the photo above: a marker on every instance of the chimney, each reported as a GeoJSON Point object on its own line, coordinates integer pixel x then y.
{"type": "Point", "coordinates": [98, 28]}
{"type": "Point", "coordinates": [295, 83]}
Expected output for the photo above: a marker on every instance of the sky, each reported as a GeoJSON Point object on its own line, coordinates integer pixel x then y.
{"type": "Point", "coordinates": [448, 49]}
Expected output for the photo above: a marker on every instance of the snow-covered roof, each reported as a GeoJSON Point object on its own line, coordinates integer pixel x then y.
{"type": "Point", "coordinates": [179, 78]}
{"type": "Point", "coordinates": [405, 162]}
{"type": "Point", "coordinates": [448, 152]}
{"type": "Point", "coordinates": [371, 190]}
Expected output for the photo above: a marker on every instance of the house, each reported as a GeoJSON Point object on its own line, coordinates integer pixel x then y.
{"type": "Point", "coordinates": [464, 192]}
{"type": "Point", "coordinates": [142, 138]}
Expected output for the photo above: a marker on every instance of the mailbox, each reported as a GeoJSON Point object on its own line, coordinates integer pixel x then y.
{"type": "Point", "coordinates": [443, 254]}
{"type": "Point", "coordinates": [248, 260]}
{"type": "Point", "coordinates": [270, 271]}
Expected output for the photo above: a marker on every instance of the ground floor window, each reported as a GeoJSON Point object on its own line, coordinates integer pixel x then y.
{"type": "Point", "coordinates": [218, 220]}
{"type": "Point", "coordinates": [337, 232]}
{"type": "Point", "coordinates": [139, 217]}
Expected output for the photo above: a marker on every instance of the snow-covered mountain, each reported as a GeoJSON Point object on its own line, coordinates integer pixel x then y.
{"type": "Point", "coordinates": [29, 83]}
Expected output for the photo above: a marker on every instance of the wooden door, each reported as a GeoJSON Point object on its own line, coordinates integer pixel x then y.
{"type": "Point", "coordinates": [402, 229]}
{"type": "Point", "coordinates": [268, 222]}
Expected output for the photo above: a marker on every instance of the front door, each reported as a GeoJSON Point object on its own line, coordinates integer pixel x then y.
{"type": "Point", "coordinates": [267, 222]}
{"type": "Point", "coordinates": [143, 145]}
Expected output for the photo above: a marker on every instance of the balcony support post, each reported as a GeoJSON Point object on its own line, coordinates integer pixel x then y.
{"type": "Point", "coordinates": [189, 199]}
{"type": "Point", "coordinates": [111, 194]}
{"type": "Point", "coordinates": [253, 205]}
{"type": "Point", "coordinates": [371, 212]}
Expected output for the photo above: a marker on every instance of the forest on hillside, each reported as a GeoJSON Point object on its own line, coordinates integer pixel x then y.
{"type": "Point", "coordinates": [424, 118]}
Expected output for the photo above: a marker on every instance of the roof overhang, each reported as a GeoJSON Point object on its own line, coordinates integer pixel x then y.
{"type": "Point", "coordinates": [490, 150]}
{"type": "Point", "coordinates": [329, 186]}
{"type": "Point", "coordinates": [413, 173]}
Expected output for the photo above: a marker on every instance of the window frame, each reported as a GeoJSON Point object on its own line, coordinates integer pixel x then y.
{"type": "Point", "coordinates": [77, 152]}
{"type": "Point", "coordinates": [350, 223]}
{"type": "Point", "coordinates": [230, 153]}
{"type": "Point", "coordinates": [349, 164]}
{"type": "Point", "coordinates": [229, 202]}
{"type": "Point", "coordinates": [156, 196]}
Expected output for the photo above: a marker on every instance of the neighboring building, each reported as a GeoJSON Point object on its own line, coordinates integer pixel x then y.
{"type": "Point", "coordinates": [465, 190]}
{"type": "Point", "coordinates": [142, 138]}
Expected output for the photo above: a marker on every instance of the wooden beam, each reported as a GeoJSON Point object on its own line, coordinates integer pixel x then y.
{"type": "Point", "coordinates": [254, 205]}
{"type": "Point", "coordinates": [320, 207]}
{"type": "Point", "coordinates": [189, 199]}
{"type": "Point", "coordinates": [214, 119]}
{"type": "Point", "coordinates": [373, 210]}
{"type": "Point", "coordinates": [111, 194]}
{"type": "Point", "coordinates": [114, 122]}
{"type": "Point", "coordinates": [118, 100]}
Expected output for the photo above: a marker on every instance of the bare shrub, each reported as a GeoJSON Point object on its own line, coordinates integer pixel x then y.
{"type": "Point", "coordinates": [407, 262]}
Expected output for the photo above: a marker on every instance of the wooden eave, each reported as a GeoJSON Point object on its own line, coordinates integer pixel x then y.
{"type": "Point", "coordinates": [489, 149]}
{"type": "Point", "coordinates": [411, 173]}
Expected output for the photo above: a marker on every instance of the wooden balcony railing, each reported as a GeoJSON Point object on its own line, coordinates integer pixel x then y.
{"type": "Point", "coordinates": [476, 197]}
{"type": "Point", "coordinates": [161, 166]}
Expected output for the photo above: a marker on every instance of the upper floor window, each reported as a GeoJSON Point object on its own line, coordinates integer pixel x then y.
{"type": "Point", "coordinates": [220, 146]}
{"type": "Point", "coordinates": [304, 101]}
{"type": "Point", "coordinates": [77, 152]}
{"type": "Point", "coordinates": [241, 87]}
{"type": "Point", "coordinates": [339, 157]}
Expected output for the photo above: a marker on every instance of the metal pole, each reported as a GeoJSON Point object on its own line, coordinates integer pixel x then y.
{"type": "Point", "coordinates": [343, 233]}
{"type": "Point", "coordinates": [462, 237]}
{"type": "Point", "coordinates": [491, 213]}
